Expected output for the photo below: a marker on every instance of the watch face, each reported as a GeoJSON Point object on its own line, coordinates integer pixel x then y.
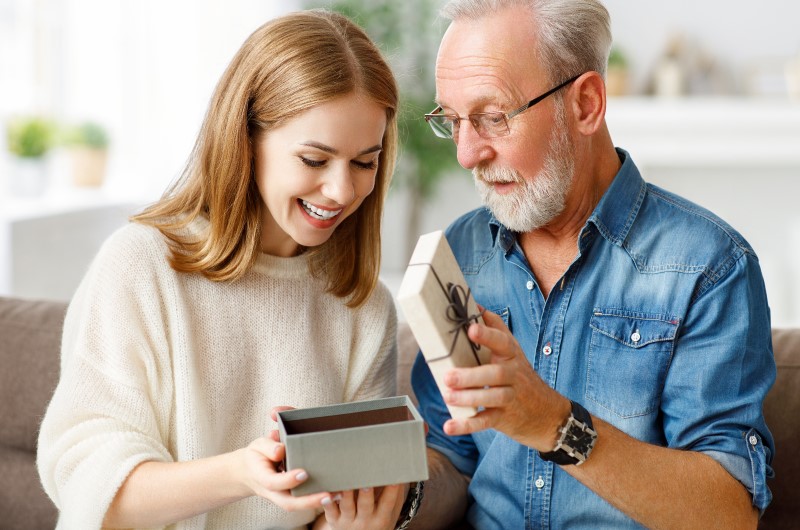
{"type": "Point", "coordinates": [576, 441]}
{"type": "Point", "coordinates": [579, 439]}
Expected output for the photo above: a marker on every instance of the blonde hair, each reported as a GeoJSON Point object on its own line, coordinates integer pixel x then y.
{"type": "Point", "coordinates": [285, 67]}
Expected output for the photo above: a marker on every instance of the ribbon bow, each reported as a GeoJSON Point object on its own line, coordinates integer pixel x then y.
{"type": "Point", "coordinates": [457, 312]}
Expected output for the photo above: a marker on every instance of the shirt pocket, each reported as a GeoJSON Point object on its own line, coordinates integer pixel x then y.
{"type": "Point", "coordinates": [629, 355]}
{"type": "Point", "coordinates": [504, 313]}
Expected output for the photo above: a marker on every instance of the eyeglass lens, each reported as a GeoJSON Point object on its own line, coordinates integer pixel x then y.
{"type": "Point", "coordinates": [487, 124]}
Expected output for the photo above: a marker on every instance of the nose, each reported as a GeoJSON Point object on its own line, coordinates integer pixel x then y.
{"type": "Point", "coordinates": [339, 186]}
{"type": "Point", "coordinates": [471, 148]}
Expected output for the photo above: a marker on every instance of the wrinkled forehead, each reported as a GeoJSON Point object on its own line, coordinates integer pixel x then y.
{"type": "Point", "coordinates": [494, 54]}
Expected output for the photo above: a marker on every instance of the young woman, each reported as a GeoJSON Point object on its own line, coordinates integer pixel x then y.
{"type": "Point", "coordinates": [253, 283]}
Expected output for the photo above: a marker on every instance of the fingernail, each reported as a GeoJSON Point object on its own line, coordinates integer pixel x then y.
{"type": "Point", "coordinates": [337, 497]}
{"type": "Point", "coordinates": [301, 475]}
{"type": "Point", "coordinates": [365, 490]}
{"type": "Point", "coordinates": [326, 501]}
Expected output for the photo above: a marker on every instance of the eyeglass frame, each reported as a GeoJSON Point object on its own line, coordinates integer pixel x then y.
{"type": "Point", "coordinates": [506, 116]}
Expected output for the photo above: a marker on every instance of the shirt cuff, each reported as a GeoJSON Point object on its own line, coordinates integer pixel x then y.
{"type": "Point", "coordinates": [752, 472]}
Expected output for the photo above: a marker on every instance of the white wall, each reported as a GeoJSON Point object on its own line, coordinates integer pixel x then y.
{"type": "Point", "coordinates": [741, 35]}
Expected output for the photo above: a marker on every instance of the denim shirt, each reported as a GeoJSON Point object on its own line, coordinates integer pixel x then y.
{"type": "Point", "coordinates": [660, 326]}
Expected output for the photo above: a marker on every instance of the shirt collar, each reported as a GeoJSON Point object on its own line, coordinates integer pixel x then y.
{"type": "Point", "coordinates": [500, 234]}
{"type": "Point", "coordinates": [614, 214]}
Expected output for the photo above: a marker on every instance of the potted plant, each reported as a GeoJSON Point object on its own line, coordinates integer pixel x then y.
{"type": "Point", "coordinates": [88, 145]}
{"type": "Point", "coordinates": [29, 140]}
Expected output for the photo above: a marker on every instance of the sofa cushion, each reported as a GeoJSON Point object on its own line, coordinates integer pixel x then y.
{"type": "Point", "coordinates": [782, 412]}
{"type": "Point", "coordinates": [23, 503]}
{"type": "Point", "coordinates": [30, 340]}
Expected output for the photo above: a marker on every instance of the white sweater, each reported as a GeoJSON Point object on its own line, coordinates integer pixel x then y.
{"type": "Point", "coordinates": [166, 366]}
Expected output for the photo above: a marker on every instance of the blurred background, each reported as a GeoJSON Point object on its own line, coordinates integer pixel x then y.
{"type": "Point", "coordinates": [101, 101]}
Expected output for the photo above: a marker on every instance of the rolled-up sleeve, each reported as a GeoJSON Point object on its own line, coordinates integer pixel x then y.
{"type": "Point", "coordinates": [721, 371]}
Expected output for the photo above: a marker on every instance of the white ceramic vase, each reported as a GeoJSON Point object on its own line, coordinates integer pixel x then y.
{"type": "Point", "coordinates": [27, 176]}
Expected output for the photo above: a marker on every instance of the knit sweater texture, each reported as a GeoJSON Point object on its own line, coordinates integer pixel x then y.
{"type": "Point", "coordinates": [167, 366]}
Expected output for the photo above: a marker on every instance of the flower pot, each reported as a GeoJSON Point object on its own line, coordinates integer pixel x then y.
{"type": "Point", "coordinates": [88, 166]}
{"type": "Point", "coordinates": [616, 81]}
{"type": "Point", "coordinates": [27, 176]}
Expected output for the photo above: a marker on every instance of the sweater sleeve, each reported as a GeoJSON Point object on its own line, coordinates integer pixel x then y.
{"type": "Point", "coordinates": [111, 408]}
{"type": "Point", "coordinates": [373, 371]}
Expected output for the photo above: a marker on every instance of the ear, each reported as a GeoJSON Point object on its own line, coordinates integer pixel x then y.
{"type": "Point", "coordinates": [588, 102]}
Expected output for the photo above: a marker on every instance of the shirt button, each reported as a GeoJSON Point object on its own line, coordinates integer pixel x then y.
{"type": "Point", "coordinates": [635, 337]}
{"type": "Point", "coordinates": [529, 285]}
{"type": "Point", "coordinates": [539, 483]}
{"type": "Point", "coordinates": [547, 350]}
{"type": "Point", "coordinates": [753, 440]}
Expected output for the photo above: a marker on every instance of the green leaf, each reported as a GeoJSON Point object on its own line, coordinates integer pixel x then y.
{"type": "Point", "coordinates": [87, 134]}
{"type": "Point", "coordinates": [30, 137]}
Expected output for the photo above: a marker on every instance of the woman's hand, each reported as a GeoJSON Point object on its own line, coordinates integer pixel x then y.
{"type": "Point", "coordinates": [262, 463]}
{"type": "Point", "coordinates": [361, 510]}
{"type": "Point", "coordinates": [262, 476]}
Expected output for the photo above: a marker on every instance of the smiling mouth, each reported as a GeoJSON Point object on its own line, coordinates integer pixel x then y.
{"type": "Point", "coordinates": [319, 213]}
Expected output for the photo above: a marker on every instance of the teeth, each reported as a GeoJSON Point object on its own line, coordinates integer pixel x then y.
{"type": "Point", "coordinates": [319, 213]}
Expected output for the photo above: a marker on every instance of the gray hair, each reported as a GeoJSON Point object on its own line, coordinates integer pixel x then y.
{"type": "Point", "coordinates": [574, 35]}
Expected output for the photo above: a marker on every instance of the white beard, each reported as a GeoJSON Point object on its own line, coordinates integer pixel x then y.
{"type": "Point", "coordinates": [536, 201]}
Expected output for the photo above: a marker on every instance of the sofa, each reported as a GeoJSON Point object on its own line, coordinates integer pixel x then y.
{"type": "Point", "coordinates": [30, 335]}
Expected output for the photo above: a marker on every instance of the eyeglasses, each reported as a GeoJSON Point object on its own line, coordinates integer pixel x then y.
{"type": "Point", "coordinates": [486, 124]}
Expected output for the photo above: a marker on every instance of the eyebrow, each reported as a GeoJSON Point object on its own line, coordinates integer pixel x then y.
{"type": "Point", "coordinates": [331, 150]}
{"type": "Point", "coordinates": [479, 103]}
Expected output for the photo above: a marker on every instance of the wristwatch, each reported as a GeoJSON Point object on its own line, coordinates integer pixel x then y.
{"type": "Point", "coordinates": [576, 441]}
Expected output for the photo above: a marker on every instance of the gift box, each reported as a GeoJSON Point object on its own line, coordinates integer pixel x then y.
{"type": "Point", "coordinates": [355, 445]}
{"type": "Point", "coordinates": [439, 308]}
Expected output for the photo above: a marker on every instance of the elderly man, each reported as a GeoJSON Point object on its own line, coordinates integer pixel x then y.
{"type": "Point", "coordinates": [628, 390]}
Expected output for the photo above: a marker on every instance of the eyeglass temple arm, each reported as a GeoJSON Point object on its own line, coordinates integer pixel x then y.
{"type": "Point", "coordinates": [433, 113]}
{"type": "Point", "coordinates": [534, 101]}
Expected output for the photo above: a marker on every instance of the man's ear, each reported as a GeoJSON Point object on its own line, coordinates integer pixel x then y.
{"type": "Point", "coordinates": [588, 102]}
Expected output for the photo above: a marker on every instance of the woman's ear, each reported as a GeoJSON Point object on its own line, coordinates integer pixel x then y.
{"type": "Point", "coordinates": [588, 103]}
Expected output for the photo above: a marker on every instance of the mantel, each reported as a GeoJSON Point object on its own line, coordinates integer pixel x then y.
{"type": "Point", "coordinates": [47, 243]}
{"type": "Point", "coordinates": [57, 202]}
{"type": "Point", "coordinates": [707, 132]}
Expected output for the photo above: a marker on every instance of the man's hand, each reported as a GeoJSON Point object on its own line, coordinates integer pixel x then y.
{"type": "Point", "coordinates": [515, 399]}
{"type": "Point", "coordinates": [366, 509]}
